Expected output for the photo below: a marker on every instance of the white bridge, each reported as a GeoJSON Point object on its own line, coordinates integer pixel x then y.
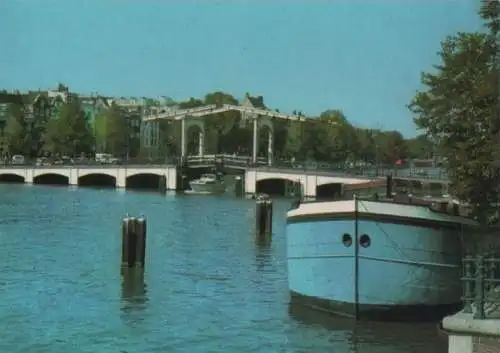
{"type": "Point", "coordinates": [214, 109]}
{"type": "Point", "coordinates": [117, 176]}
{"type": "Point", "coordinates": [305, 183]}
{"type": "Point", "coordinates": [193, 117]}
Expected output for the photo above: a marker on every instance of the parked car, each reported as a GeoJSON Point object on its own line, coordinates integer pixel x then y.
{"type": "Point", "coordinates": [42, 162]}
{"type": "Point", "coordinates": [18, 159]}
{"type": "Point", "coordinates": [106, 158]}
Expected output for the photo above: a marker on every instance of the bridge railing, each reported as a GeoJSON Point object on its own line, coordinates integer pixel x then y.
{"type": "Point", "coordinates": [365, 170]}
{"type": "Point", "coordinates": [224, 159]}
{"type": "Point", "coordinates": [238, 161]}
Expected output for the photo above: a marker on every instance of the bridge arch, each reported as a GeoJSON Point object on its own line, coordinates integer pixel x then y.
{"type": "Point", "coordinates": [266, 123]}
{"type": "Point", "coordinates": [97, 179]}
{"type": "Point", "coordinates": [51, 179]}
{"type": "Point", "coordinates": [279, 186]}
{"type": "Point", "coordinates": [104, 171]}
{"type": "Point", "coordinates": [331, 190]}
{"type": "Point", "coordinates": [193, 138]}
{"type": "Point", "coordinates": [146, 181]}
{"type": "Point", "coordinates": [11, 177]}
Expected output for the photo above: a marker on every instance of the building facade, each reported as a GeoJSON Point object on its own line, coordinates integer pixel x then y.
{"type": "Point", "coordinates": [40, 107]}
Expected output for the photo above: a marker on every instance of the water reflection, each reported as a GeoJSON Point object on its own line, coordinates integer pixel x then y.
{"type": "Point", "coordinates": [133, 291]}
{"type": "Point", "coordinates": [262, 254]}
{"type": "Point", "coordinates": [372, 337]}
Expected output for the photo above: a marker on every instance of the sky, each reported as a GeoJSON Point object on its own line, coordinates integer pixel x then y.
{"type": "Point", "coordinates": [363, 57]}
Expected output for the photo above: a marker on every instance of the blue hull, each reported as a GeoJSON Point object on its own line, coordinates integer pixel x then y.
{"type": "Point", "coordinates": [405, 268]}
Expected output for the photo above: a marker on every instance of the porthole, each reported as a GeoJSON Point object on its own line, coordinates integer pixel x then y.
{"type": "Point", "coordinates": [347, 240]}
{"type": "Point", "coordinates": [365, 241]}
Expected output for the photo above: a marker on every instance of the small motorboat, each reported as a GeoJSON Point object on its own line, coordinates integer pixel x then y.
{"type": "Point", "coordinates": [209, 183]}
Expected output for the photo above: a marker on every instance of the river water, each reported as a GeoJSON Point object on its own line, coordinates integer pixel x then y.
{"type": "Point", "coordinates": [209, 287]}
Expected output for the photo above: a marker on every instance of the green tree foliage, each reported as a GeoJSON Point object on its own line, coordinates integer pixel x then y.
{"type": "Point", "coordinates": [293, 141]}
{"type": "Point", "coordinates": [68, 133]}
{"type": "Point", "coordinates": [191, 103]}
{"type": "Point", "coordinates": [170, 135]}
{"type": "Point", "coordinates": [112, 131]}
{"type": "Point", "coordinates": [490, 13]}
{"type": "Point", "coordinates": [17, 131]}
{"type": "Point", "coordinates": [457, 112]}
{"type": "Point", "coordinates": [390, 146]}
{"type": "Point", "coordinates": [329, 137]}
{"type": "Point", "coordinates": [420, 147]}
{"type": "Point", "coordinates": [222, 127]}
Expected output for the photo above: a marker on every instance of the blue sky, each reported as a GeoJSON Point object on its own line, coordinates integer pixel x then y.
{"type": "Point", "coordinates": [364, 57]}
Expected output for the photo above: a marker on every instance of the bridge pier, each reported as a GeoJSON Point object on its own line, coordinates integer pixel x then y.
{"type": "Point", "coordinates": [29, 176]}
{"type": "Point", "coordinates": [183, 138]}
{"type": "Point", "coordinates": [270, 157]}
{"type": "Point", "coordinates": [201, 143]}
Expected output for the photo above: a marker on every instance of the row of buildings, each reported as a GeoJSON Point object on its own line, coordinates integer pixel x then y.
{"type": "Point", "coordinates": [40, 106]}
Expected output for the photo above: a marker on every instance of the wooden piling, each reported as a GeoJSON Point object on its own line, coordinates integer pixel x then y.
{"type": "Point", "coordinates": [141, 230]}
{"type": "Point", "coordinates": [133, 243]}
{"type": "Point", "coordinates": [388, 187]}
{"type": "Point", "coordinates": [263, 218]}
{"type": "Point", "coordinates": [162, 184]}
{"type": "Point", "coordinates": [239, 187]}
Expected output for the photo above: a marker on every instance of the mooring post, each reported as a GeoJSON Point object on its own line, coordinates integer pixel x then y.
{"type": "Point", "coordinates": [263, 218]}
{"type": "Point", "coordinates": [239, 187]}
{"type": "Point", "coordinates": [388, 186]}
{"type": "Point", "coordinates": [269, 217]}
{"type": "Point", "coordinates": [128, 233]}
{"type": "Point", "coordinates": [133, 243]}
{"type": "Point", "coordinates": [162, 184]}
{"type": "Point", "coordinates": [141, 230]}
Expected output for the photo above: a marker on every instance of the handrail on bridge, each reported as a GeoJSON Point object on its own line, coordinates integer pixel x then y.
{"type": "Point", "coordinates": [224, 159]}
{"type": "Point", "coordinates": [398, 173]}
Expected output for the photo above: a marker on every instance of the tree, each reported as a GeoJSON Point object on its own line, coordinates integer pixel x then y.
{"type": "Point", "coordinates": [112, 131]}
{"type": "Point", "coordinates": [457, 112]}
{"type": "Point", "coordinates": [191, 103]}
{"type": "Point", "coordinates": [17, 131]}
{"type": "Point", "coordinates": [68, 133]}
{"type": "Point", "coordinates": [390, 146]}
{"type": "Point", "coordinates": [221, 127]}
{"type": "Point", "coordinates": [490, 13]}
{"type": "Point", "coordinates": [293, 142]}
{"type": "Point", "coordinates": [170, 135]}
{"type": "Point", "coordinates": [335, 136]}
{"type": "Point", "coordinates": [419, 147]}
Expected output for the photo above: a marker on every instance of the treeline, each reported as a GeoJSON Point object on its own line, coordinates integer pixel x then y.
{"type": "Point", "coordinates": [66, 129]}
{"type": "Point", "coordinates": [63, 128]}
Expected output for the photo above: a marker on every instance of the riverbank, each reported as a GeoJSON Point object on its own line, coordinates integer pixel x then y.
{"type": "Point", "coordinates": [469, 335]}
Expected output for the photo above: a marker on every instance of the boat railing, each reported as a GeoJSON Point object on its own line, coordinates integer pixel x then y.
{"type": "Point", "coordinates": [481, 284]}
{"type": "Point", "coordinates": [438, 205]}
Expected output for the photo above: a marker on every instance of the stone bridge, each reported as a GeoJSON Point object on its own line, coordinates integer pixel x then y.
{"type": "Point", "coordinates": [119, 176]}
{"type": "Point", "coordinates": [287, 182]}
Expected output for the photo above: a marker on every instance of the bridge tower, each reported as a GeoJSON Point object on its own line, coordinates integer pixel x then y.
{"type": "Point", "coordinates": [187, 123]}
{"type": "Point", "coordinates": [260, 122]}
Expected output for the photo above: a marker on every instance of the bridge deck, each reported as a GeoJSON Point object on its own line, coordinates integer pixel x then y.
{"type": "Point", "coordinates": [245, 163]}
